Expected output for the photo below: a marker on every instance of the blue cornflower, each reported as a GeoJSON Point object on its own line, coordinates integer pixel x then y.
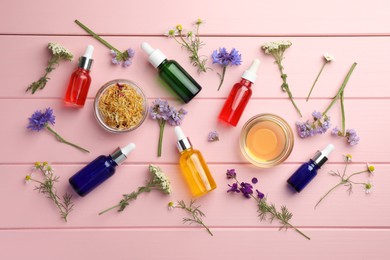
{"type": "Point", "coordinates": [40, 120]}
{"type": "Point", "coordinates": [225, 59]}
{"type": "Point", "coordinates": [163, 113]}
{"type": "Point", "coordinates": [231, 174]}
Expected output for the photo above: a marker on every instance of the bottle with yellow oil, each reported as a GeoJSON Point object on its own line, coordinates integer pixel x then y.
{"type": "Point", "coordinates": [193, 166]}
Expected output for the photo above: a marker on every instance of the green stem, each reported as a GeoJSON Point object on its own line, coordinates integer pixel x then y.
{"type": "Point", "coordinates": [342, 113]}
{"type": "Point", "coordinates": [315, 81]}
{"type": "Point", "coordinates": [285, 86]}
{"type": "Point", "coordinates": [297, 230]}
{"type": "Point", "coordinates": [355, 174]}
{"type": "Point", "coordinates": [62, 140]}
{"type": "Point", "coordinates": [346, 79]}
{"type": "Point", "coordinates": [222, 76]}
{"type": "Point", "coordinates": [131, 196]}
{"type": "Point", "coordinates": [160, 138]}
{"type": "Point", "coordinates": [323, 197]}
{"type": "Point", "coordinates": [97, 37]}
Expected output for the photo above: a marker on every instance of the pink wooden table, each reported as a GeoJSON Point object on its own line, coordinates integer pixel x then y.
{"type": "Point", "coordinates": [343, 227]}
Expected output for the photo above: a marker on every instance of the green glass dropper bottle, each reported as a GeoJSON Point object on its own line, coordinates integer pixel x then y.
{"type": "Point", "coordinates": [173, 74]}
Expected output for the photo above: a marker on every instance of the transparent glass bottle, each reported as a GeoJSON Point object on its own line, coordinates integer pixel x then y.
{"type": "Point", "coordinates": [173, 74]}
{"type": "Point", "coordinates": [193, 166]}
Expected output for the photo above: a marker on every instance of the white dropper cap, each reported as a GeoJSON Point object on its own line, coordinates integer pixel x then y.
{"type": "Point", "coordinates": [183, 143]}
{"type": "Point", "coordinates": [120, 154]}
{"type": "Point", "coordinates": [328, 150]}
{"type": "Point", "coordinates": [251, 73]}
{"type": "Point", "coordinates": [88, 52]}
{"type": "Point", "coordinates": [321, 157]}
{"type": "Point", "coordinates": [86, 60]}
{"type": "Point", "coordinates": [128, 148]}
{"type": "Point", "coordinates": [156, 57]}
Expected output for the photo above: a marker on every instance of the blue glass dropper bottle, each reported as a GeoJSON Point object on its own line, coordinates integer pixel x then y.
{"type": "Point", "coordinates": [99, 170]}
{"type": "Point", "coordinates": [308, 171]}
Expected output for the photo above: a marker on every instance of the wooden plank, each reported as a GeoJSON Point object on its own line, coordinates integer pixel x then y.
{"type": "Point", "coordinates": [302, 63]}
{"type": "Point", "coordinates": [25, 208]}
{"type": "Point", "coordinates": [151, 18]}
{"type": "Point", "coordinates": [80, 126]}
{"type": "Point", "coordinates": [195, 244]}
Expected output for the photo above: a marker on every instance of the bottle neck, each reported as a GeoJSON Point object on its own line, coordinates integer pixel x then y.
{"type": "Point", "coordinates": [246, 83]}
{"type": "Point", "coordinates": [85, 63]}
{"type": "Point", "coordinates": [159, 66]}
{"type": "Point", "coordinates": [183, 145]}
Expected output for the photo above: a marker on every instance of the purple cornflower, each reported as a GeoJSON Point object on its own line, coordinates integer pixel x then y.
{"type": "Point", "coordinates": [163, 112]}
{"type": "Point", "coordinates": [225, 59]}
{"type": "Point", "coordinates": [233, 188]}
{"type": "Point", "coordinates": [40, 120]}
{"type": "Point", "coordinates": [231, 174]}
{"type": "Point", "coordinates": [246, 189]}
{"type": "Point", "coordinates": [260, 195]}
{"type": "Point", "coordinates": [319, 125]}
{"type": "Point", "coordinates": [254, 180]}
{"type": "Point", "coordinates": [213, 136]}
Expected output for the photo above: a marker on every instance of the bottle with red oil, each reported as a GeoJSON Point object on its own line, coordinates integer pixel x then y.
{"type": "Point", "coordinates": [239, 96]}
{"type": "Point", "coordinates": [79, 82]}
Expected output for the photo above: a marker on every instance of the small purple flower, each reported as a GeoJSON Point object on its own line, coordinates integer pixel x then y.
{"type": "Point", "coordinates": [254, 180]}
{"type": "Point", "coordinates": [163, 112]}
{"type": "Point", "coordinates": [40, 120]}
{"type": "Point", "coordinates": [176, 117]}
{"type": "Point", "coordinates": [126, 63]}
{"type": "Point", "coordinates": [224, 58]}
{"type": "Point", "coordinates": [231, 173]}
{"type": "Point", "coordinates": [213, 136]}
{"type": "Point", "coordinates": [335, 131]}
{"type": "Point", "coordinates": [115, 61]}
{"type": "Point", "coordinates": [260, 195]}
{"type": "Point", "coordinates": [319, 125]}
{"type": "Point", "coordinates": [317, 115]}
{"type": "Point", "coordinates": [246, 189]}
{"type": "Point", "coordinates": [113, 53]}
{"type": "Point", "coordinates": [233, 188]}
{"type": "Point", "coordinates": [130, 52]}
{"type": "Point", "coordinates": [352, 137]}
{"type": "Point", "coordinates": [123, 58]}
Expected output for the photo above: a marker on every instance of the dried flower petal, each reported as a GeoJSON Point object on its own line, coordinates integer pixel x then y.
{"type": "Point", "coordinates": [213, 136]}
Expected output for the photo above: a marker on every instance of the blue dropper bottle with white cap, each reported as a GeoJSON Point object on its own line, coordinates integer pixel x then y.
{"type": "Point", "coordinates": [308, 171]}
{"type": "Point", "coordinates": [99, 170]}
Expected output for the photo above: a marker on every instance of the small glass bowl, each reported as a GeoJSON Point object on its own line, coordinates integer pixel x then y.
{"type": "Point", "coordinates": [103, 90]}
{"type": "Point", "coordinates": [266, 140]}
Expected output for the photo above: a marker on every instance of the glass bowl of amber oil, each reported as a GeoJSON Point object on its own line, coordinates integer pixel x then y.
{"type": "Point", "coordinates": [266, 140]}
{"type": "Point", "coordinates": [120, 106]}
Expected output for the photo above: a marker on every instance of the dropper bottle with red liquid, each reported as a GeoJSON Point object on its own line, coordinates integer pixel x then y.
{"type": "Point", "coordinates": [79, 82]}
{"type": "Point", "coordinates": [239, 96]}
